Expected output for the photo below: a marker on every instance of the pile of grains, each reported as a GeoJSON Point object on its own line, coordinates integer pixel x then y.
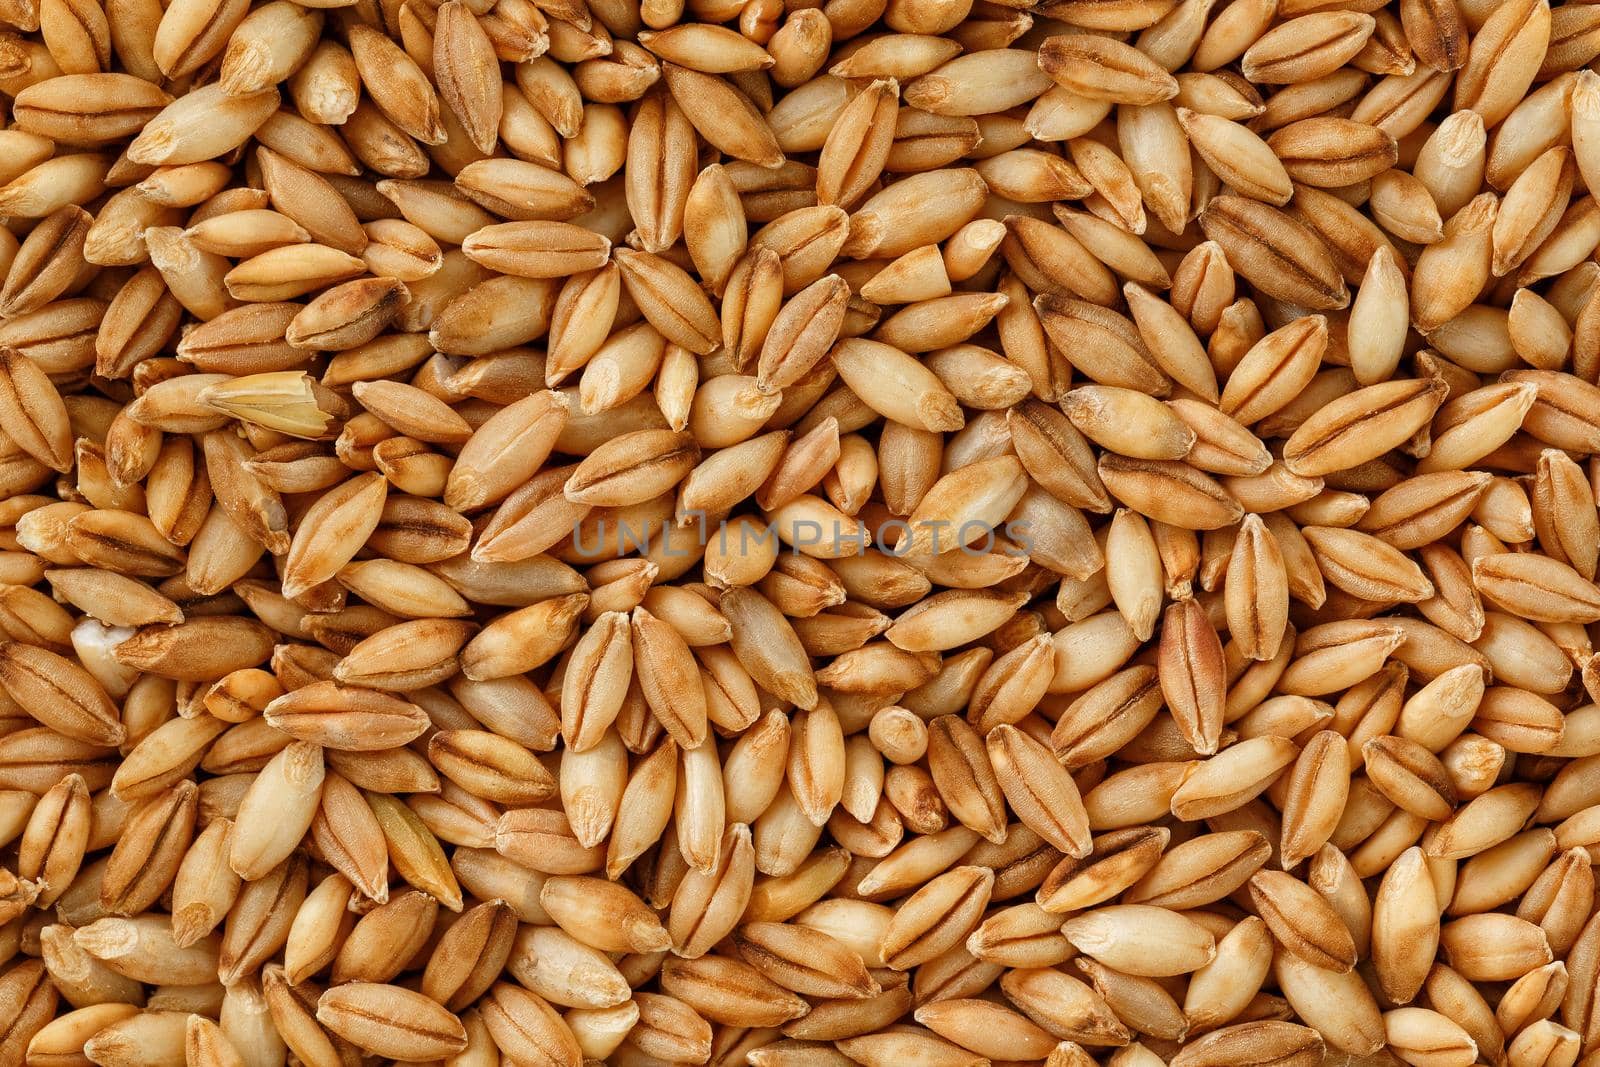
{"type": "Point", "coordinates": [906, 533]}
